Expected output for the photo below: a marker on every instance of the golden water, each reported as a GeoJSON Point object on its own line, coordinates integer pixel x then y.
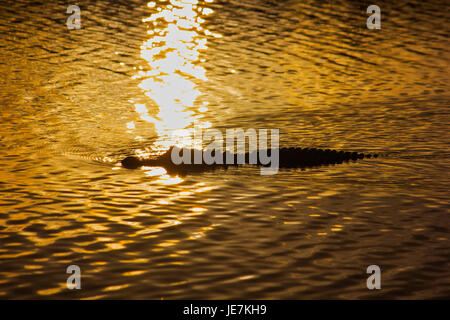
{"type": "Point", "coordinates": [136, 78]}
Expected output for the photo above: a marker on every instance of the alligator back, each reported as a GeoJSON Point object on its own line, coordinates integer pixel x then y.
{"type": "Point", "coordinates": [288, 158]}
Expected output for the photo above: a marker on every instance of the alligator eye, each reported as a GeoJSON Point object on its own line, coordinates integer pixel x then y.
{"type": "Point", "coordinates": [131, 163]}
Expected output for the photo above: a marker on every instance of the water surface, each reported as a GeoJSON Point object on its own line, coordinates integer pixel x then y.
{"type": "Point", "coordinates": [74, 102]}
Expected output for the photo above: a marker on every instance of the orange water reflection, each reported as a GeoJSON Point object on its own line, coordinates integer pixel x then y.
{"type": "Point", "coordinates": [174, 71]}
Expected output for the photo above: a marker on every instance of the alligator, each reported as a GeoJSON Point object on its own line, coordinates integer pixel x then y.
{"type": "Point", "coordinates": [287, 157]}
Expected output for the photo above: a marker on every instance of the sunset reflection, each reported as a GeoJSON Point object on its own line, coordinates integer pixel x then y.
{"type": "Point", "coordinates": [174, 69]}
{"type": "Point", "coordinates": [141, 76]}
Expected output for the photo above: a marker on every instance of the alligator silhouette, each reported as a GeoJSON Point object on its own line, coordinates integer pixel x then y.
{"type": "Point", "coordinates": [288, 158]}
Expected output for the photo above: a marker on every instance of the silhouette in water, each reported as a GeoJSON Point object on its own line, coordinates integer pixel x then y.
{"type": "Point", "coordinates": [288, 158]}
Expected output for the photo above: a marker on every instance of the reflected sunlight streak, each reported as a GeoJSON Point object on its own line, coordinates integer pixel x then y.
{"type": "Point", "coordinates": [172, 54]}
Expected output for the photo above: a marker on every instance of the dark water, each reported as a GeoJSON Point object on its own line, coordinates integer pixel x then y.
{"type": "Point", "coordinates": [73, 102]}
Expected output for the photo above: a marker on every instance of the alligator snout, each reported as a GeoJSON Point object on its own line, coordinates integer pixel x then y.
{"type": "Point", "coordinates": [131, 163]}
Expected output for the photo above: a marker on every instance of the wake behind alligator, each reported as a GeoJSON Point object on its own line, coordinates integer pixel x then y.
{"type": "Point", "coordinates": [288, 158]}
